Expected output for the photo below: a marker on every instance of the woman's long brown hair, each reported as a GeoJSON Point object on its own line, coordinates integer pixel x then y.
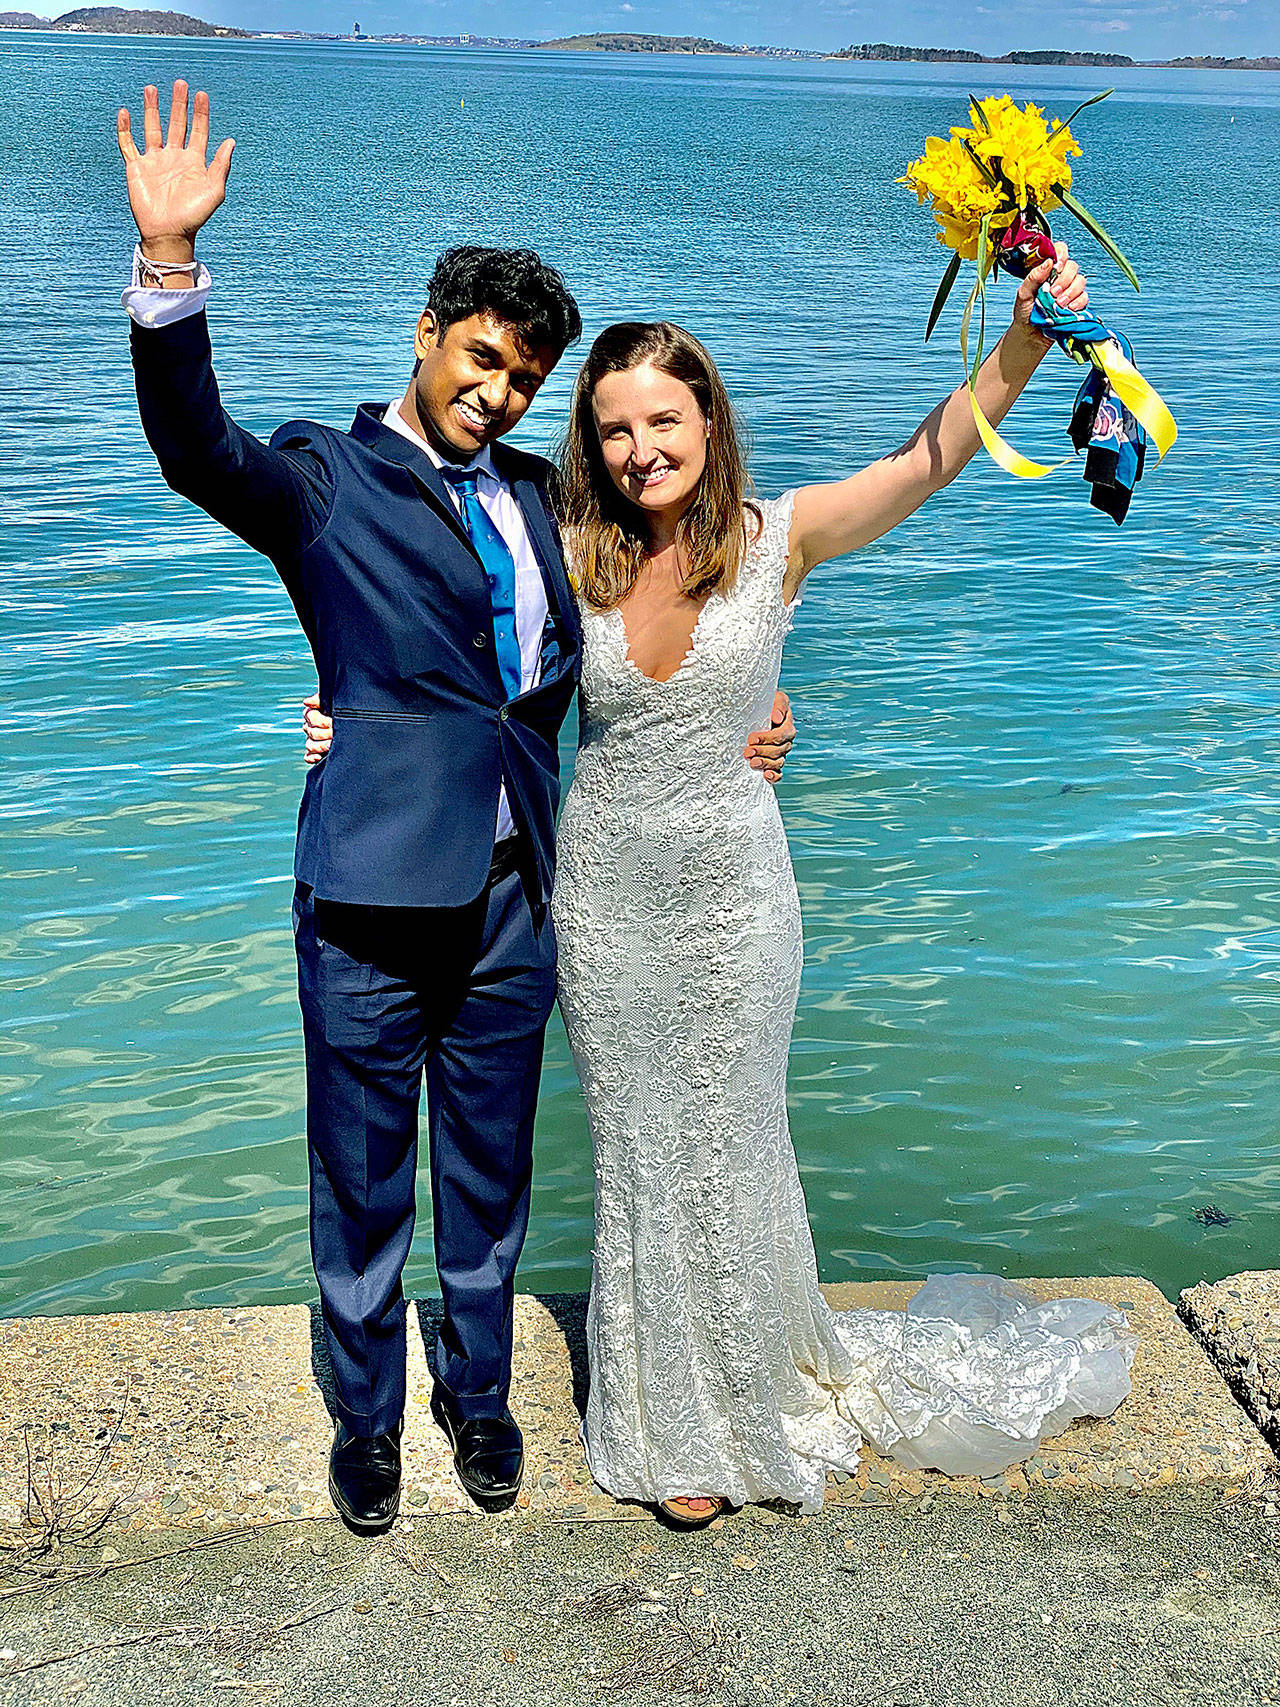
{"type": "Point", "coordinates": [609, 540]}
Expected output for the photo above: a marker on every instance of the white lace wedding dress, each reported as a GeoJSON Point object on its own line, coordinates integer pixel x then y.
{"type": "Point", "coordinates": [716, 1367]}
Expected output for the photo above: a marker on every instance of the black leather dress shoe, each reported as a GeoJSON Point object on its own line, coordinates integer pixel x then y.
{"type": "Point", "coordinates": [364, 1478]}
{"type": "Point", "coordinates": [488, 1452]}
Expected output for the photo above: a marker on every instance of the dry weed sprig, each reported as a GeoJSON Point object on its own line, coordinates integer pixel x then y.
{"type": "Point", "coordinates": [59, 1516]}
{"type": "Point", "coordinates": [238, 1640]}
{"type": "Point", "coordinates": [675, 1657]}
{"type": "Point", "coordinates": [56, 1514]}
{"type": "Point", "coordinates": [608, 1599]}
{"type": "Point", "coordinates": [415, 1558]}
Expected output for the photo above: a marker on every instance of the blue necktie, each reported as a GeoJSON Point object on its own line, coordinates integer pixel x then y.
{"type": "Point", "coordinates": [499, 566]}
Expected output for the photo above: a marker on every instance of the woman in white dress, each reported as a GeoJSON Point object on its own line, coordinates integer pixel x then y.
{"type": "Point", "coordinates": [718, 1374]}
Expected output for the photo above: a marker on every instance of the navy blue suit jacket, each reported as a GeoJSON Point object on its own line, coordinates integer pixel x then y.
{"type": "Point", "coordinates": [395, 604]}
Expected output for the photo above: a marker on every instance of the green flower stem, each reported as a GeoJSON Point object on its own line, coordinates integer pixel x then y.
{"type": "Point", "coordinates": [1095, 230]}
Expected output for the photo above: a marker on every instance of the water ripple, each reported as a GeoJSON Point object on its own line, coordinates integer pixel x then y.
{"type": "Point", "coordinates": [1033, 809]}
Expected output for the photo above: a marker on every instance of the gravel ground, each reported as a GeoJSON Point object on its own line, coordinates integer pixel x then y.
{"type": "Point", "coordinates": [1096, 1599]}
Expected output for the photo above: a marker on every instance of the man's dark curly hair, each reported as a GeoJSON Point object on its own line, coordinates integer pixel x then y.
{"type": "Point", "coordinates": [514, 285]}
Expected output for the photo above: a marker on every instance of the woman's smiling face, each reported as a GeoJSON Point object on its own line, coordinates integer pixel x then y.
{"type": "Point", "coordinates": [653, 437]}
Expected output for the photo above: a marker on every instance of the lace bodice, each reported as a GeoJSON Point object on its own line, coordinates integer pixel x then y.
{"type": "Point", "coordinates": [684, 737]}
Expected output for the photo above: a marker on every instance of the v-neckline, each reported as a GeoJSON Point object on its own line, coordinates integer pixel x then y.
{"type": "Point", "coordinates": [629, 661]}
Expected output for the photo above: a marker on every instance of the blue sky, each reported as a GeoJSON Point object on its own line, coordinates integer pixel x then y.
{"type": "Point", "coordinates": [1144, 29]}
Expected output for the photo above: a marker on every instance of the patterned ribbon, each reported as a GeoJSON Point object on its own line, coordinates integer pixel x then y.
{"type": "Point", "coordinates": [1083, 338]}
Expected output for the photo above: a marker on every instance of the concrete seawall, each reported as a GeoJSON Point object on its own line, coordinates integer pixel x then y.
{"type": "Point", "coordinates": [1237, 1320]}
{"type": "Point", "coordinates": [166, 1539]}
{"type": "Point", "coordinates": [214, 1418]}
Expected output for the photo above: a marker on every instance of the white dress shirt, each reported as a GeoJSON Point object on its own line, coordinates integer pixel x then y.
{"type": "Point", "coordinates": [499, 504]}
{"type": "Point", "coordinates": [153, 307]}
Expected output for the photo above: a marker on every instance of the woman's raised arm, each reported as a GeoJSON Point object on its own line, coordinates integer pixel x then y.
{"type": "Point", "coordinates": [831, 519]}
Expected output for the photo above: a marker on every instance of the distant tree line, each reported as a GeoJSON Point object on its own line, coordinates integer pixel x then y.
{"type": "Point", "coordinates": [118, 21]}
{"type": "Point", "coordinates": [1214, 62]}
{"type": "Point", "coordinates": [121, 20]}
{"type": "Point", "coordinates": [604, 43]}
{"type": "Point", "coordinates": [933, 55]}
{"type": "Point", "coordinates": [964, 56]}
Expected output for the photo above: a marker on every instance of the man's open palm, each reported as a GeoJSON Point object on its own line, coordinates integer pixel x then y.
{"type": "Point", "coordinates": [173, 189]}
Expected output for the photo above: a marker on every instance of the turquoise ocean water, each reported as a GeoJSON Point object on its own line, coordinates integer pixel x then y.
{"type": "Point", "coordinates": [1034, 809]}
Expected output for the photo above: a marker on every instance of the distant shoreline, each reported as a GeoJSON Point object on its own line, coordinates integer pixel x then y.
{"type": "Point", "coordinates": [118, 21]}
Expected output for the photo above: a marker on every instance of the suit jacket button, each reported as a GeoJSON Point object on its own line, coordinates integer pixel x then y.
{"type": "Point", "coordinates": [480, 642]}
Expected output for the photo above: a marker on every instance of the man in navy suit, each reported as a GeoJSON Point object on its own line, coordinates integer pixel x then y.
{"type": "Point", "coordinates": [423, 560]}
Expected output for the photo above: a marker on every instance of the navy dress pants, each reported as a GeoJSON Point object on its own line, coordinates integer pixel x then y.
{"type": "Point", "coordinates": [388, 993]}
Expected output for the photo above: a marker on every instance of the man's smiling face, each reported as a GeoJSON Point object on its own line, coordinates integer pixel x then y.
{"type": "Point", "coordinates": [474, 382]}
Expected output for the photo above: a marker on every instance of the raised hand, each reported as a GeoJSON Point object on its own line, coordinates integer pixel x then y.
{"type": "Point", "coordinates": [173, 187]}
{"type": "Point", "coordinates": [1064, 282]}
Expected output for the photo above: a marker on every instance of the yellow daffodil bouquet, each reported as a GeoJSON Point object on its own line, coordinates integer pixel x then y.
{"type": "Point", "coordinates": [990, 184]}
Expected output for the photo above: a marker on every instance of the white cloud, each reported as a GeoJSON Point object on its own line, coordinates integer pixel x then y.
{"type": "Point", "coordinates": [1112, 25]}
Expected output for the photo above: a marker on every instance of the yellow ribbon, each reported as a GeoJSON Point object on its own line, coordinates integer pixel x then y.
{"type": "Point", "coordinates": [1136, 393]}
{"type": "Point", "coordinates": [1140, 398]}
{"type": "Point", "coordinates": [999, 449]}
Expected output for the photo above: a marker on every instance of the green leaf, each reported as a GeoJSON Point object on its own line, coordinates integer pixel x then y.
{"type": "Point", "coordinates": [984, 244]}
{"type": "Point", "coordinates": [982, 335]}
{"type": "Point", "coordinates": [986, 249]}
{"type": "Point", "coordinates": [1091, 102]}
{"type": "Point", "coordinates": [965, 318]}
{"type": "Point", "coordinates": [980, 163]}
{"type": "Point", "coordinates": [1095, 230]}
{"type": "Point", "coordinates": [944, 291]}
{"type": "Point", "coordinates": [982, 117]}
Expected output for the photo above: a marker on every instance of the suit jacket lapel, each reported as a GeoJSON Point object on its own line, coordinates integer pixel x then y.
{"type": "Point", "coordinates": [369, 427]}
{"type": "Point", "coordinates": [546, 549]}
{"type": "Point", "coordinates": [426, 475]}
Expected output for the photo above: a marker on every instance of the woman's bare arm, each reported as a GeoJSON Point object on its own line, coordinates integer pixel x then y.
{"type": "Point", "coordinates": [831, 519]}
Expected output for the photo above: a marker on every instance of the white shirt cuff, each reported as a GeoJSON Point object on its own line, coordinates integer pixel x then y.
{"type": "Point", "coordinates": [152, 307]}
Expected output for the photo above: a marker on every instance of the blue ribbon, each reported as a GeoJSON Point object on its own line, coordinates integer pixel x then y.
{"type": "Point", "coordinates": [1101, 425]}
